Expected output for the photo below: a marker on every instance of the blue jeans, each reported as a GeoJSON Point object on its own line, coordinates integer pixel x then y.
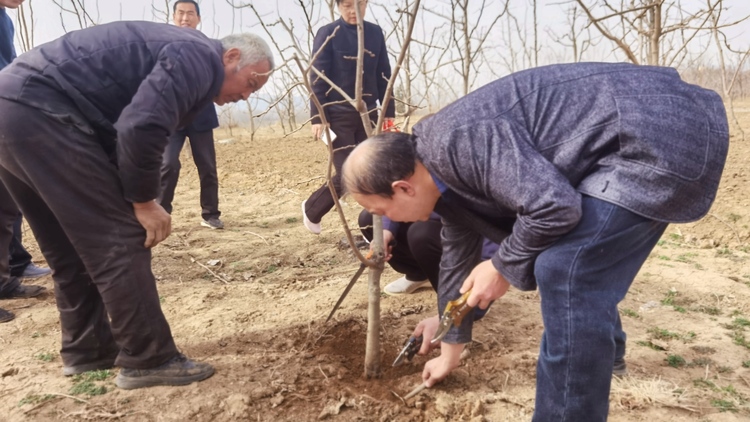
{"type": "Point", "coordinates": [581, 280]}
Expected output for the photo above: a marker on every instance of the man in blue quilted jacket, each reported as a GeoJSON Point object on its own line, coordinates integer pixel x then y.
{"type": "Point", "coordinates": [593, 160]}
{"type": "Point", "coordinates": [84, 121]}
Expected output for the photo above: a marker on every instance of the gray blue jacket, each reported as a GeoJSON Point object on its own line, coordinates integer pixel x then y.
{"type": "Point", "coordinates": [131, 84]}
{"type": "Point", "coordinates": [7, 50]}
{"type": "Point", "coordinates": [530, 144]}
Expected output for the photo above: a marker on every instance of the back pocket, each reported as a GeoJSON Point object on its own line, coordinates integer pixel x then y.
{"type": "Point", "coordinates": [670, 134]}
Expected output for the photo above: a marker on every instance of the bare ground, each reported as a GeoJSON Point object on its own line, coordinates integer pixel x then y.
{"type": "Point", "coordinates": [252, 300]}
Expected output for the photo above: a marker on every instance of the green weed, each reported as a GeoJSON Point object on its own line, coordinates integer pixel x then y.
{"type": "Point", "coordinates": [46, 356]}
{"type": "Point", "coordinates": [629, 312]}
{"type": "Point", "coordinates": [675, 361]}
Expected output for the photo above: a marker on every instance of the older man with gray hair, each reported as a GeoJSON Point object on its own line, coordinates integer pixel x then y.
{"type": "Point", "coordinates": [84, 121]}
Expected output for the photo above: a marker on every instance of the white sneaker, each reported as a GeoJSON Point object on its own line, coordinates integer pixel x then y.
{"type": "Point", "coordinates": [313, 227]}
{"type": "Point", "coordinates": [402, 286]}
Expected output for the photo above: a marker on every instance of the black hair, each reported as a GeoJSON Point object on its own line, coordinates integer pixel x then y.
{"type": "Point", "coordinates": [197, 8]}
{"type": "Point", "coordinates": [391, 156]}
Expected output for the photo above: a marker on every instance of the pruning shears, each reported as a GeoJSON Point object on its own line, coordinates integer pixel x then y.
{"type": "Point", "coordinates": [454, 313]}
{"type": "Point", "coordinates": [411, 347]}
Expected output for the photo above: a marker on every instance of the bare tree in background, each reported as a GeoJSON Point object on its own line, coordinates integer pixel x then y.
{"type": "Point", "coordinates": [470, 28]}
{"type": "Point", "coordinates": [654, 32]}
{"type": "Point", "coordinates": [578, 37]}
{"type": "Point", "coordinates": [77, 9]}
{"type": "Point", "coordinates": [25, 25]}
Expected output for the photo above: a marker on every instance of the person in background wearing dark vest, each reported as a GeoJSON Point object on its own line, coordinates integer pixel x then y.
{"type": "Point", "coordinates": [17, 263]}
{"type": "Point", "coordinates": [593, 160]}
{"type": "Point", "coordinates": [95, 217]}
{"type": "Point", "coordinates": [336, 62]}
{"type": "Point", "coordinates": [187, 14]}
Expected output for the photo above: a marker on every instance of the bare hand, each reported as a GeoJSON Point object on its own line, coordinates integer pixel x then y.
{"type": "Point", "coordinates": [317, 130]}
{"type": "Point", "coordinates": [435, 370]}
{"type": "Point", "coordinates": [156, 221]}
{"type": "Point", "coordinates": [387, 240]}
{"type": "Point", "coordinates": [486, 285]}
{"type": "Point", "coordinates": [427, 329]}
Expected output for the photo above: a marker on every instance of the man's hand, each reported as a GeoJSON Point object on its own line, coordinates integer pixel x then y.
{"type": "Point", "coordinates": [387, 240]}
{"type": "Point", "coordinates": [317, 130]}
{"type": "Point", "coordinates": [427, 329]}
{"type": "Point", "coordinates": [486, 285]}
{"type": "Point", "coordinates": [435, 370]}
{"type": "Point", "coordinates": [156, 221]}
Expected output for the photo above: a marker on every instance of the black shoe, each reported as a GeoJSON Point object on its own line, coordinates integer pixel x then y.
{"type": "Point", "coordinates": [620, 368]}
{"type": "Point", "coordinates": [177, 371]}
{"type": "Point", "coordinates": [213, 223]}
{"type": "Point", "coordinates": [32, 271]}
{"type": "Point", "coordinates": [97, 365]}
{"type": "Point", "coordinates": [6, 316]}
{"type": "Point", "coordinates": [24, 292]}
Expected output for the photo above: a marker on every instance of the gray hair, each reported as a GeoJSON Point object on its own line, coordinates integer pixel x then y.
{"type": "Point", "coordinates": [253, 49]}
{"type": "Point", "coordinates": [378, 162]}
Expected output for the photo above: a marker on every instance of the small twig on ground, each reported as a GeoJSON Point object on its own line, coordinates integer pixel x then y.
{"type": "Point", "coordinates": [209, 270]}
{"type": "Point", "coordinates": [743, 379]}
{"type": "Point", "coordinates": [256, 234]}
{"type": "Point", "coordinates": [418, 389]}
{"type": "Point", "coordinates": [309, 180]}
{"type": "Point", "coordinates": [324, 374]}
{"type": "Point", "coordinates": [739, 240]}
{"type": "Point", "coordinates": [399, 397]}
{"type": "Point", "coordinates": [66, 396]}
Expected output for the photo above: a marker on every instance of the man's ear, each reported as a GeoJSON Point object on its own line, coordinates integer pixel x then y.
{"type": "Point", "coordinates": [231, 56]}
{"type": "Point", "coordinates": [402, 186]}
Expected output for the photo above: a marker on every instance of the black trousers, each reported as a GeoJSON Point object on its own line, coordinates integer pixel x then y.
{"type": "Point", "coordinates": [417, 251]}
{"type": "Point", "coordinates": [349, 132]}
{"type": "Point", "coordinates": [70, 193]}
{"type": "Point", "coordinates": [204, 156]}
{"type": "Point", "coordinates": [8, 215]}
{"type": "Point", "coordinates": [19, 256]}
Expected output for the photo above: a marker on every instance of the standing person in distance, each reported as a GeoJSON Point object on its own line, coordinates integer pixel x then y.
{"type": "Point", "coordinates": [187, 14]}
{"type": "Point", "coordinates": [336, 62]}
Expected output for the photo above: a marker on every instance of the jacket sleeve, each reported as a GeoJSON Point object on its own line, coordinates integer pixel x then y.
{"type": "Point", "coordinates": [462, 249]}
{"type": "Point", "coordinates": [181, 78]}
{"type": "Point", "coordinates": [323, 63]}
{"type": "Point", "coordinates": [384, 74]}
{"type": "Point", "coordinates": [507, 169]}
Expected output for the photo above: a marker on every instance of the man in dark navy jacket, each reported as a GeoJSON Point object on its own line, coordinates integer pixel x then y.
{"type": "Point", "coordinates": [593, 160]}
{"type": "Point", "coordinates": [187, 14]}
{"type": "Point", "coordinates": [84, 121]}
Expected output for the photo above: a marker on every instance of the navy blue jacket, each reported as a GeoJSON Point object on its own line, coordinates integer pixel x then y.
{"type": "Point", "coordinates": [131, 84]}
{"type": "Point", "coordinates": [338, 62]}
{"type": "Point", "coordinates": [7, 51]}
{"type": "Point", "coordinates": [204, 121]}
{"type": "Point", "coordinates": [530, 144]}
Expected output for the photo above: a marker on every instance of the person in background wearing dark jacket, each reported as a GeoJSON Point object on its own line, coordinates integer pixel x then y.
{"type": "Point", "coordinates": [17, 263]}
{"type": "Point", "coordinates": [104, 101]}
{"type": "Point", "coordinates": [345, 122]}
{"type": "Point", "coordinates": [187, 14]}
{"type": "Point", "coordinates": [593, 160]}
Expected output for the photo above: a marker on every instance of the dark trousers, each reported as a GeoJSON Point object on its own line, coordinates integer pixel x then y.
{"type": "Point", "coordinates": [417, 251]}
{"type": "Point", "coordinates": [19, 256]}
{"type": "Point", "coordinates": [581, 278]}
{"type": "Point", "coordinates": [204, 156]}
{"type": "Point", "coordinates": [70, 193]}
{"type": "Point", "coordinates": [8, 214]}
{"type": "Point", "coordinates": [349, 132]}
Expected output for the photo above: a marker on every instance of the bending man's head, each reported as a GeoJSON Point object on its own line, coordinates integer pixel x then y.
{"type": "Point", "coordinates": [384, 175]}
{"type": "Point", "coordinates": [248, 63]}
